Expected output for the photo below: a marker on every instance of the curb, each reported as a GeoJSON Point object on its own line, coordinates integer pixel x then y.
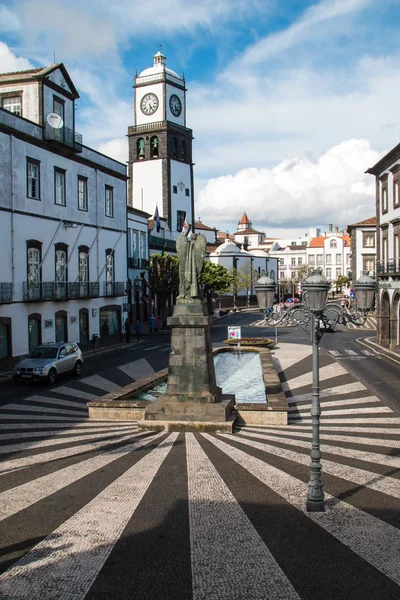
{"type": "Point", "coordinates": [379, 350]}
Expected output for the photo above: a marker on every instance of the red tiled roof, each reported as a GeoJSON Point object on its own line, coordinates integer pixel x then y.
{"type": "Point", "coordinates": [23, 72]}
{"type": "Point", "coordinates": [370, 221]}
{"type": "Point", "coordinates": [245, 219]}
{"type": "Point", "coordinates": [200, 225]}
{"type": "Point", "coordinates": [248, 231]}
{"type": "Point", "coordinates": [318, 242]}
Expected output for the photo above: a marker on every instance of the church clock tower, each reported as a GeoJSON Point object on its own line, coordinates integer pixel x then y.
{"type": "Point", "coordinates": [160, 146]}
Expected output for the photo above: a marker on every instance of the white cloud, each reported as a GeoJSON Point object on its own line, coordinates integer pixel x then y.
{"type": "Point", "coordinates": [8, 19]}
{"type": "Point", "coordinates": [298, 192]}
{"type": "Point", "coordinates": [117, 149]}
{"type": "Point", "coordinates": [9, 62]}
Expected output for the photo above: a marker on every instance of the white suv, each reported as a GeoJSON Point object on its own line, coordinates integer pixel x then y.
{"type": "Point", "coordinates": [47, 361]}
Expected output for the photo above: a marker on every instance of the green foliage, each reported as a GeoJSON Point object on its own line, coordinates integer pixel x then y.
{"type": "Point", "coordinates": [246, 276]}
{"type": "Point", "coordinates": [342, 281]}
{"type": "Point", "coordinates": [215, 279]}
{"type": "Point", "coordinates": [162, 275]}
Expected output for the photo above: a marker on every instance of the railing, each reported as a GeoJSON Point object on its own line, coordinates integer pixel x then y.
{"type": "Point", "coordinates": [160, 243]}
{"type": "Point", "coordinates": [114, 288]}
{"type": "Point", "coordinates": [137, 263]}
{"type": "Point", "coordinates": [388, 267]}
{"type": "Point", "coordinates": [6, 293]}
{"type": "Point", "coordinates": [64, 135]}
{"type": "Point", "coordinates": [155, 126]}
{"type": "Point", "coordinates": [52, 290]}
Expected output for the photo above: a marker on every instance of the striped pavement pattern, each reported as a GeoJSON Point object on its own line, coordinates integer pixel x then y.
{"type": "Point", "coordinates": [93, 510]}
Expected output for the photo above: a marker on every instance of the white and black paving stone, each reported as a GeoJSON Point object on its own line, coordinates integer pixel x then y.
{"type": "Point", "coordinates": [93, 510]}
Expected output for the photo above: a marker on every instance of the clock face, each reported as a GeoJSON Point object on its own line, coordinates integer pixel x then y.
{"type": "Point", "coordinates": [175, 105]}
{"type": "Point", "coordinates": [149, 104]}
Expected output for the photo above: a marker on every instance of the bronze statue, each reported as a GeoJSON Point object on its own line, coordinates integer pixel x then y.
{"type": "Point", "coordinates": [191, 253]}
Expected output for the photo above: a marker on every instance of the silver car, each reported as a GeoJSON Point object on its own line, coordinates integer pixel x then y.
{"type": "Point", "coordinates": [47, 361]}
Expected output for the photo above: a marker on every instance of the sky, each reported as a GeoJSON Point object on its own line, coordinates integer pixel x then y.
{"type": "Point", "coordinates": [290, 101]}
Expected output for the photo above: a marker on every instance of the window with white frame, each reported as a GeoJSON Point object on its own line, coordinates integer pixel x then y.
{"type": "Point", "coordinates": [59, 187]}
{"type": "Point", "coordinates": [82, 193]}
{"type": "Point", "coordinates": [333, 244]}
{"type": "Point", "coordinates": [338, 272]}
{"type": "Point", "coordinates": [328, 259]}
{"type": "Point", "coordinates": [368, 239]}
{"type": "Point", "coordinates": [34, 259]}
{"type": "Point", "coordinates": [328, 273]}
{"type": "Point", "coordinates": [299, 261]}
{"type": "Point", "coordinates": [13, 104]}
{"type": "Point", "coordinates": [142, 239]}
{"type": "Point", "coordinates": [311, 259]}
{"type": "Point", "coordinates": [33, 178]}
{"type": "Point", "coordinates": [320, 260]}
{"type": "Point", "coordinates": [109, 266]}
{"type": "Point", "coordinates": [293, 261]}
{"type": "Point", "coordinates": [369, 263]}
{"type": "Point", "coordinates": [109, 201]}
{"type": "Point", "coordinates": [281, 262]}
{"type": "Point", "coordinates": [338, 259]}
{"type": "Point", "coordinates": [61, 263]}
{"type": "Point", "coordinates": [396, 189]}
{"type": "Point", "coordinates": [281, 274]}
{"type": "Point", "coordinates": [83, 264]}
{"type": "Point", "coordinates": [384, 194]}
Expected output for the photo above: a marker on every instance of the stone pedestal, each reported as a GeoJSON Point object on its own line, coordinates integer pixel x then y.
{"type": "Point", "coordinates": [192, 393]}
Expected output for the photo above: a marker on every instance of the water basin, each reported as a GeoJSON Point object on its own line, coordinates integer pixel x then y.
{"type": "Point", "coordinates": [240, 374]}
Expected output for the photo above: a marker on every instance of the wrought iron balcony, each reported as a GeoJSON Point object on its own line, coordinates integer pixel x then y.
{"type": "Point", "coordinates": [65, 136]}
{"type": "Point", "coordinates": [160, 243]}
{"type": "Point", "coordinates": [388, 267]}
{"type": "Point", "coordinates": [52, 290]}
{"type": "Point", "coordinates": [6, 293]}
{"type": "Point", "coordinates": [114, 288]}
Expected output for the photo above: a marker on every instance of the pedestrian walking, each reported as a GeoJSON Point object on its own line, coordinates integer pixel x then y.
{"type": "Point", "coordinates": [127, 330]}
{"type": "Point", "coordinates": [138, 330]}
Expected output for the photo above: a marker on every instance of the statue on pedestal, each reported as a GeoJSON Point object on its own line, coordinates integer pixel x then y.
{"type": "Point", "coordinates": [191, 253]}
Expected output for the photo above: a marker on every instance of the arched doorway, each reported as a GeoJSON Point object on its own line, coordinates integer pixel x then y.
{"type": "Point", "coordinates": [83, 328]}
{"type": "Point", "coordinates": [34, 330]}
{"type": "Point", "coordinates": [61, 326]}
{"type": "Point", "coordinates": [395, 321]}
{"type": "Point", "coordinates": [385, 319]}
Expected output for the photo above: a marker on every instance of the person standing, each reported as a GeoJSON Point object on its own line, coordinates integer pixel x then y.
{"type": "Point", "coordinates": [138, 330]}
{"type": "Point", "coordinates": [127, 330]}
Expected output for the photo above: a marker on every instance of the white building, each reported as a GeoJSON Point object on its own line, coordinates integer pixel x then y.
{"type": "Point", "coordinates": [254, 262]}
{"type": "Point", "coordinates": [387, 178]}
{"type": "Point", "coordinates": [138, 260]}
{"type": "Point", "coordinates": [63, 221]}
{"type": "Point", "coordinates": [246, 235]}
{"type": "Point", "coordinates": [362, 248]}
{"type": "Point", "coordinates": [330, 252]}
{"type": "Point", "coordinates": [160, 147]}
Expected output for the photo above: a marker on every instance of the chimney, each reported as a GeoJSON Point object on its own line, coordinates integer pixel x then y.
{"type": "Point", "coordinates": [330, 227]}
{"type": "Point", "coordinates": [337, 228]}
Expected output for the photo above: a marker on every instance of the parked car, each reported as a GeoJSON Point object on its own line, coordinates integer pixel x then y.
{"type": "Point", "coordinates": [327, 326]}
{"type": "Point", "coordinates": [47, 361]}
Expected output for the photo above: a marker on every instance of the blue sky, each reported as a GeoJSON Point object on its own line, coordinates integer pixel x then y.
{"type": "Point", "coordinates": [290, 101]}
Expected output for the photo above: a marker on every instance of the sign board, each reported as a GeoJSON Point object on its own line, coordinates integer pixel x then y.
{"type": "Point", "coordinates": [234, 333]}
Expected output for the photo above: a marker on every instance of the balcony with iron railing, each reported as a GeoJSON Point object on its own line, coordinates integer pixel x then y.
{"type": "Point", "coordinates": [160, 243]}
{"type": "Point", "coordinates": [52, 290]}
{"type": "Point", "coordinates": [65, 136]}
{"type": "Point", "coordinates": [388, 267]}
{"type": "Point", "coordinates": [137, 263]}
{"type": "Point", "coordinates": [6, 293]}
{"type": "Point", "coordinates": [113, 288]}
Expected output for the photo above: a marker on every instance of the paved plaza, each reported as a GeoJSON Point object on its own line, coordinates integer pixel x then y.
{"type": "Point", "coordinates": [95, 510]}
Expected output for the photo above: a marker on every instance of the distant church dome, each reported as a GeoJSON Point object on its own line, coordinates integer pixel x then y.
{"type": "Point", "coordinates": [227, 247]}
{"type": "Point", "coordinates": [158, 67]}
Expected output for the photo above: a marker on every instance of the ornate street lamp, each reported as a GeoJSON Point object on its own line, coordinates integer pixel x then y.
{"type": "Point", "coordinates": [309, 315]}
{"type": "Point", "coordinates": [265, 292]}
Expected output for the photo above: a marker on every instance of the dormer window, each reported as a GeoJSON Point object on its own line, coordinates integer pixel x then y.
{"type": "Point", "coordinates": [13, 104]}
{"type": "Point", "coordinates": [333, 244]}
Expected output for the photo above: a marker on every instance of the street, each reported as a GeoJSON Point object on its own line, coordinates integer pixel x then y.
{"type": "Point", "coordinates": [93, 510]}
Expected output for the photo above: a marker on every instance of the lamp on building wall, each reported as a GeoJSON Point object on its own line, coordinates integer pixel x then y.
{"type": "Point", "coordinates": [314, 316]}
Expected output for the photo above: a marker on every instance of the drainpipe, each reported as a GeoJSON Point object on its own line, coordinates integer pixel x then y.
{"type": "Point", "coordinates": [98, 231]}
{"type": "Point", "coordinates": [12, 218]}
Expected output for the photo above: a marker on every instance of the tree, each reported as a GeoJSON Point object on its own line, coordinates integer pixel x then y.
{"type": "Point", "coordinates": [163, 280]}
{"type": "Point", "coordinates": [215, 279]}
{"type": "Point", "coordinates": [244, 278]}
{"type": "Point", "coordinates": [342, 281]}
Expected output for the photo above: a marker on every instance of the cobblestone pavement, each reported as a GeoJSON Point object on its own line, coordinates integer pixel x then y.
{"type": "Point", "coordinates": [94, 510]}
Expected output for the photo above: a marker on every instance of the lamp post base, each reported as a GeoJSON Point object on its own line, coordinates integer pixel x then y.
{"type": "Point", "coordinates": [315, 505]}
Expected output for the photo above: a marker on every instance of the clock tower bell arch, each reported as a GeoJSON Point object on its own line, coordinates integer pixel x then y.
{"type": "Point", "coordinates": [160, 163]}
